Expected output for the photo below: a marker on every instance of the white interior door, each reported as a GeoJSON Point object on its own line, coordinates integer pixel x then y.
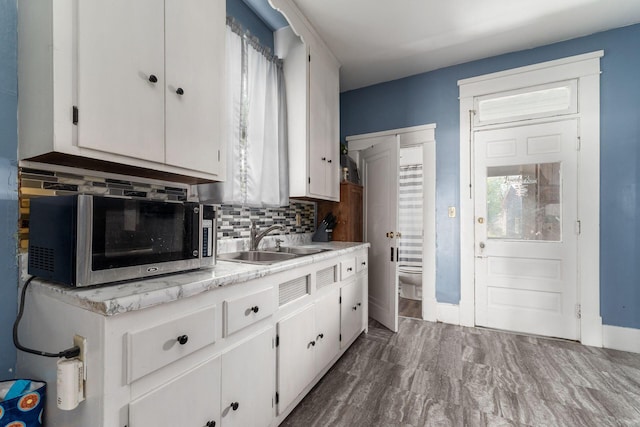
{"type": "Point", "coordinates": [526, 228]}
{"type": "Point", "coordinates": [380, 175]}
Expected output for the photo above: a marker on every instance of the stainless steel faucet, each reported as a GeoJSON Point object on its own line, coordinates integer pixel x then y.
{"type": "Point", "coordinates": [255, 237]}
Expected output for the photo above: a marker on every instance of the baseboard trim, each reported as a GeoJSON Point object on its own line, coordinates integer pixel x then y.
{"type": "Point", "coordinates": [619, 338]}
{"type": "Point", "coordinates": [449, 313]}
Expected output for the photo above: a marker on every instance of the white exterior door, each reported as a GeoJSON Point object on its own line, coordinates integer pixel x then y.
{"type": "Point", "coordinates": [380, 174]}
{"type": "Point", "coordinates": [526, 227]}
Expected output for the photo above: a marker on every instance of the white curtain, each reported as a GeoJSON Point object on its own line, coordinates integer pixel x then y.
{"type": "Point", "coordinates": [257, 151]}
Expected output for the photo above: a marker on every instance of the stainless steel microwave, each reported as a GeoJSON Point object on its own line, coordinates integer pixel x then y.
{"type": "Point", "coordinates": [84, 240]}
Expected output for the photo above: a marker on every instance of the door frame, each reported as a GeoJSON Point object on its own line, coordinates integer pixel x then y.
{"type": "Point", "coordinates": [586, 70]}
{"type": "Point", "coordinates": [410, 136]}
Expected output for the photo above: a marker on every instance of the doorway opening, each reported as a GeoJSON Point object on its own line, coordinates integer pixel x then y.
{"type": "Point", "coordinates": [411, 228]}
{"type": "Point", "coordinates": [399, 243]}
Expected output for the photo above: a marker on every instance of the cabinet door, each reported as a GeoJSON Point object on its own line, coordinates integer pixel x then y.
{"type": "Point", "coordinates": [327, 329]}
{"type": "Point", "coordinates": [120, 48]}
{"type": "Point", "coordinates": [324, 125]}
{"type": "Point", "coordinates": [352, 311]}
{"type": "Point", "coordinates": [296, 367]}
{"type": "Point", "coordinates": [248, 382]}
{"type": "Point", "coordinates": [192, 399]}
{"type": "Point", "coordinates": [195, 50]}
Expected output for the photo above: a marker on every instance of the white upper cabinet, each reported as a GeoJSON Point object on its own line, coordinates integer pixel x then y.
{"type": "Point", "coordinates": [139, 84]}
{"type": "Point", "coordinates": [312, 81]}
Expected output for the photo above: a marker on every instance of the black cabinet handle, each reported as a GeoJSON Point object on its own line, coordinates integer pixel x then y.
{"type": "Point", "coordinates": [320, 336]}
{"type": "Point", "coordinates": [355, 307]}
{"type": "Point", "coordinates": [359, 304]}
{"type": "Point", "coordinates": [180, 91]}
{"type": "Point", "coordinates": [211, 424]}
{"type": "Point", "coordinates": [255, 309]}
{"type": "Point", "coordinates": [153, 79]}
{"type": "Point", "coordinates": [312, 344]}
{"type": "Point", "coordinates": [364, 263]}
{"type": "Point", "coordinates": [350, 269]}
{"type": "Point", "coordinates": [324, 158]}
{"type": "Point", "coordinates": [182, 339]}
{"type": "Point", "coordinates": [235, 406]}
{"type": "Point", "coordinates": [329, 161]}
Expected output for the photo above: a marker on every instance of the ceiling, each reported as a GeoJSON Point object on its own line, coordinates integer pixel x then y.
{"type": "Point", "coordinates": [382, 40]}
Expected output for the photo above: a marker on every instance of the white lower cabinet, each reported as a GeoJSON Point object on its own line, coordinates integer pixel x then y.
{"type": "Point", "coordinates": [248, 382]}
{"type": "Point", "coordinates": [191, 399]}
{"type": "Point", "coordinates": [208, 360]}
{"type": "Point", "coordinates": [308, 340]}
{"type": "Point", "coordinates": [352, 309]}
{"type": "Point", "coordinates": [327, 326]}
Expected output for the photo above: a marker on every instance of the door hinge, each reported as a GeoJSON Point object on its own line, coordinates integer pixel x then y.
{"type": "Point", "coordinates": [75, 114]}
{"type": "Point", "coordinates": [309, 180]}
{"type": "Point", "coordinates": [277, 398]}
{"type": "Point", "coordinates": [578, 227]}
{"type": "Point", "coordinates": [309, 58]}
{"type": "Point", "coordinates": [277, 340]}
{"type": "Point", "coordinates": [340, 300]}
{"type": "Point", "coordinates": [340, 339]}
{"type": "Point", "coordinates": [578, 311]}
{"type": "Point", "coordinates": [578, 144]}
{"type": "Point", "coordinates": [218, 155]}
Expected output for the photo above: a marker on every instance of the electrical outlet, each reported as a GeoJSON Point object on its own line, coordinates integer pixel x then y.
{"type": "Point", "coordinates": [452, 211]}
{"type": "Point", "coordinates": [81, 342]}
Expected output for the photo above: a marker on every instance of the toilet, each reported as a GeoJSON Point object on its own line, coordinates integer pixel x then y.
{"type": "Point", "coordinates": [410, 281]}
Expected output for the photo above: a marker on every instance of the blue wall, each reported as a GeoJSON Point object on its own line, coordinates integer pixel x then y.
{"type": "Point", "coordinates": [8, 184]}
{"type": "Point", "coordinates": [433, 98]}
{"type": "Point", "coordinates": [250, 21]}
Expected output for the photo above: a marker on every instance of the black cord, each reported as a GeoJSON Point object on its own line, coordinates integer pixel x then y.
{"type": "Point", "coordinates": [68, 353]}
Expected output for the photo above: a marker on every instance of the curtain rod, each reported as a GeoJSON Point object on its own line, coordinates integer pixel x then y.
{"type": "Point", "coordinates": [252, 40]}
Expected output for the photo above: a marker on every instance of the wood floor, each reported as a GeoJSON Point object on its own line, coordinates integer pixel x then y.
{"type": "Point", "coordinates": [434, 374]}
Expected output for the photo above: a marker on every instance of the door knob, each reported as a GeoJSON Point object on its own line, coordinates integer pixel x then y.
{"type": "Point", "coordinates": [481, 245]}
{"type": "Point", "coordinates": [153, 79]}
{"type": "Point", "coordinates": [390, 235]}
{"type": "Point", "coordinates": [480, 220]}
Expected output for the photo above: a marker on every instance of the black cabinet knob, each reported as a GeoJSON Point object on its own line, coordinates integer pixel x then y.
{"type": "Point", "coordinates": [320, 336]}
{"type": "Point", "coordinates": [255, 309]}
{"type": "Point", "coordinates": [329, 161]}
{"type": "Point", "coordinates": [235, 406]}
{"type": "Point", "coordinates": [355, 307]}
{"type": "Point", "coordinates": [350, 269]}
{"type": "Point", "coordinates": [211, 424]}
{"type": "Point", "coordinates": [182, 339]}
{"type": "Point", "coordinates": [324, 158]}
{"type": "Point", "coordinates": [153, 79]}
{"type": "Point", "coordinates": [180, 91]}
{"type": "Point", "coordinates": [312, 344]}
{"type": "Point", "coordinates": [359, 304]}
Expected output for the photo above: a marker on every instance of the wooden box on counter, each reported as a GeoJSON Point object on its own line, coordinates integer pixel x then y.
{"type": "Point", "coordinates": [348, 211]}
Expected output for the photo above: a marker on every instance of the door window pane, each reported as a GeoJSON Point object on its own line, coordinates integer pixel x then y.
{"type": "Point", "coordinates": [539, 101]}
{"type": "Point", "coordinates": [524, 202]}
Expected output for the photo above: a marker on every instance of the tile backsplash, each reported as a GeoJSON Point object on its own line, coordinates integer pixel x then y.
{"type": "Point", "coordinates": [234, 222]}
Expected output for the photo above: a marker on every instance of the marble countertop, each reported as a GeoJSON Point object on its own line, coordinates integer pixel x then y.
{"type": "Point", "coordinates": [118, 298]}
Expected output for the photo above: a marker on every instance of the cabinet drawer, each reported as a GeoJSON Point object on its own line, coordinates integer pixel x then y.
{"type": "Point", "coordinates": [152, 348]}
{"type": "Point", "coordinates": [243, 311]}
{"type": "Point", "coordinates": [362, 262]}
{"type": "Point", "coordinates": [347, 268]}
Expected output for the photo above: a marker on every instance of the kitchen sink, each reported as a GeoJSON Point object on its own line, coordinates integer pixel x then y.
{"type": "Point", "coordinates": [256, 257]}
{"type": "Point", "coordinates": [296, 251]}
{"type": "Point", "coordinates": [269, 255]}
